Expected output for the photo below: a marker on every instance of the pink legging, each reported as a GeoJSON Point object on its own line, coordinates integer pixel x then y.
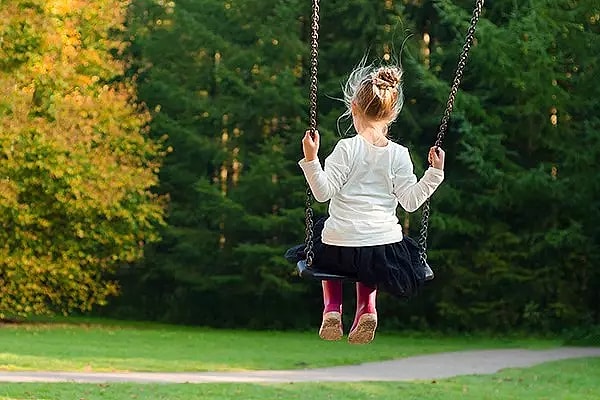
{"type": "Point", "coordinates": [365, 298]}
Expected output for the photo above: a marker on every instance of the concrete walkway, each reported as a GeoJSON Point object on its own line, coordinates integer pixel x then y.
{"type": "Point", "coordinates": [435, 366]}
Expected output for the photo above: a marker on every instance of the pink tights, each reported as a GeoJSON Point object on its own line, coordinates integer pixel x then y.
{"type": "Point", "coordinates": [365, 298]}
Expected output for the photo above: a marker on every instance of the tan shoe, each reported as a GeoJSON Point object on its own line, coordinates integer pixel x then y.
{"type": "Point", "coordinates": [331, 327]}
{"type": "Point", "coordinates": [364, 332]}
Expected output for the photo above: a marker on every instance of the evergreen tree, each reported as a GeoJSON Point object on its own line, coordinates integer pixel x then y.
{"type": "Point", "coordinates": [226, 82]}
{"type": "Point", "coordinates": [511, 245]}
{"type": "Point", "coordinates": [513, 228]}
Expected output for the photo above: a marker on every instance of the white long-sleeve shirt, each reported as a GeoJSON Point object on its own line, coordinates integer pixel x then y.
{"type": "Point", "coordinates": [365, 184]}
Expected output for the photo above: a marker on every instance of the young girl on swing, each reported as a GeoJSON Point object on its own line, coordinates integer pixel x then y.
{"type": "Point", "coordinates": [365, 178]}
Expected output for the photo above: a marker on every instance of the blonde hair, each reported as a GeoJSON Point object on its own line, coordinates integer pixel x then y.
{"type": "Point", "coordinates": [375, 91]}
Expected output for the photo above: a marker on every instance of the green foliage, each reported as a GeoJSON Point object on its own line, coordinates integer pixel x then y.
{"type": "Point", "coordinates": [514, 228]}
{"type": "Point", "coordinates": [584, 336]}
{"type": "Point", "coordinates": [225, 84]}
{"type": "Point", "coordinates": [518, 252]}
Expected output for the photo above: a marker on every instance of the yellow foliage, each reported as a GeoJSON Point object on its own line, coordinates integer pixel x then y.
{"type": "Point", "coordinates": [78, 167]}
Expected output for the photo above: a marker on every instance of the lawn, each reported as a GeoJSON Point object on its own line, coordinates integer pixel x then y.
{"type": "Point", "coordinates": [564, 380]}
{"type": "Point", "coordinates": [114, 346]}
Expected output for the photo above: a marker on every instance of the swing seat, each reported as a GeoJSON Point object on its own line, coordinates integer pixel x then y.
{"type": "Point", "coordinates": [314, 273]}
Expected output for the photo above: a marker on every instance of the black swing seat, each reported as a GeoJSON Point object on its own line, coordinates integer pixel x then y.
{"type": "Point", "coordinates": [305, 271]}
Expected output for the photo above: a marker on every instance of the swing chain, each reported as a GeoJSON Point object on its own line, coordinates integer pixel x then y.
{"type": "Point", "coordinates": [423, 233]}
{"type": "Point", "coordinates": [314, 62]}
{"type": "Point", "coordinates": [462, 63]}
{"type": "Point", "coordinates": [469, 38]}
{"type": "Point", "coordinates": [309, 229]}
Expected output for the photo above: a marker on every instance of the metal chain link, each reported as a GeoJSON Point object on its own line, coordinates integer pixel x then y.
{"type": "Point", "coordinates": [462, 62]}
{"type": "Point", "coordinates": [314, 62]}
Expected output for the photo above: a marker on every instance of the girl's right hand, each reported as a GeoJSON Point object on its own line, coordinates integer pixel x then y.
{"type": "Point", "coordinates": [310, 145]}
{"type": "Point", "coordinates": [436, 157]}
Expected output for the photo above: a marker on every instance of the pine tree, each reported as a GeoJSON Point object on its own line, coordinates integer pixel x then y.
{"type": "Point", "coordinates": [224, 80]}
{"type": "Point", "coordinates": [513, 226]}
{"type": "Point", "coordinates": [510, 246]}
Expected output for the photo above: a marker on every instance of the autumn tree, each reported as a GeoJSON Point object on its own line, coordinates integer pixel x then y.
{"type": "Point", "coordinates": [77, 166]}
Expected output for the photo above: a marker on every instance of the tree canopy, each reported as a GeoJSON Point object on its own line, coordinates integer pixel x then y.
{"type": "Point", "coordinates": [77, 166]}
{"type": "Point", "coordinates": [514, 228]}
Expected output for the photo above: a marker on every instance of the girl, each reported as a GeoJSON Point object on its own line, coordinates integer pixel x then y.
{"type": "Point", "coordinates": [365, 178]}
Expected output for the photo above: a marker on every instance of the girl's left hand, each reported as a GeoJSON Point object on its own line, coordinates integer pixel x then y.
{"type": "Point", "coordinates": [310, 145]}
{"type": "Point", "coordinates": [436, 157]}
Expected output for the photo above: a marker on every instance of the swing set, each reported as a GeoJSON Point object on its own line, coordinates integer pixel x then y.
{"type": "Point", "coordinates": [305, 267]}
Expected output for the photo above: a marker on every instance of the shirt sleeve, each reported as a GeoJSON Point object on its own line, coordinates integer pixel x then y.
{"type": "Point", "coordinates": [411, 194]}
{"type": "Point", "coordinates": [325, 183]}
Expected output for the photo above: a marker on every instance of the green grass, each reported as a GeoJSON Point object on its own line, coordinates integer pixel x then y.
{"type": "Point", "coordinates": [564, 380]}
{"type": "Point", "coordinates": [112, 346]}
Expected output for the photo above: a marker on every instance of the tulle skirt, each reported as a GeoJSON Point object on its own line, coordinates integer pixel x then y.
{"type": "Point", "coordinates": [395, 268]}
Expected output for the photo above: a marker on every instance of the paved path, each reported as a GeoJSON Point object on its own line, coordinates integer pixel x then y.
{"type": "Point", "coordinates": [435, 366]}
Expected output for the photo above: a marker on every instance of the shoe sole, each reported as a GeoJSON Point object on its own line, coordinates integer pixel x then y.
{"type": "Point", "coordinates": [331, 327]}
{"type": "Point", "coordinates": [365, 330]}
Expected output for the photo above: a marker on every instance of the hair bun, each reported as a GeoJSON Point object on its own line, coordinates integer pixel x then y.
{"type": "Point", "coordinates": [386, 77]}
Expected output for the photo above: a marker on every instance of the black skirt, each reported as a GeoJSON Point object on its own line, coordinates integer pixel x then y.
{"type": "Point", "coordinates": [395, 268]}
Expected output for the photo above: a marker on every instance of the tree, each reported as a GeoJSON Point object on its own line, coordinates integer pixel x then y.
{"type": "Point", "coordinates": [513, 244]}
{"type": "Point", "coordinates": [225, 83]}
{"type": "Point", "coordinates": [513, 226]}
{"type": "Point", "coordinates": [77, 166]}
